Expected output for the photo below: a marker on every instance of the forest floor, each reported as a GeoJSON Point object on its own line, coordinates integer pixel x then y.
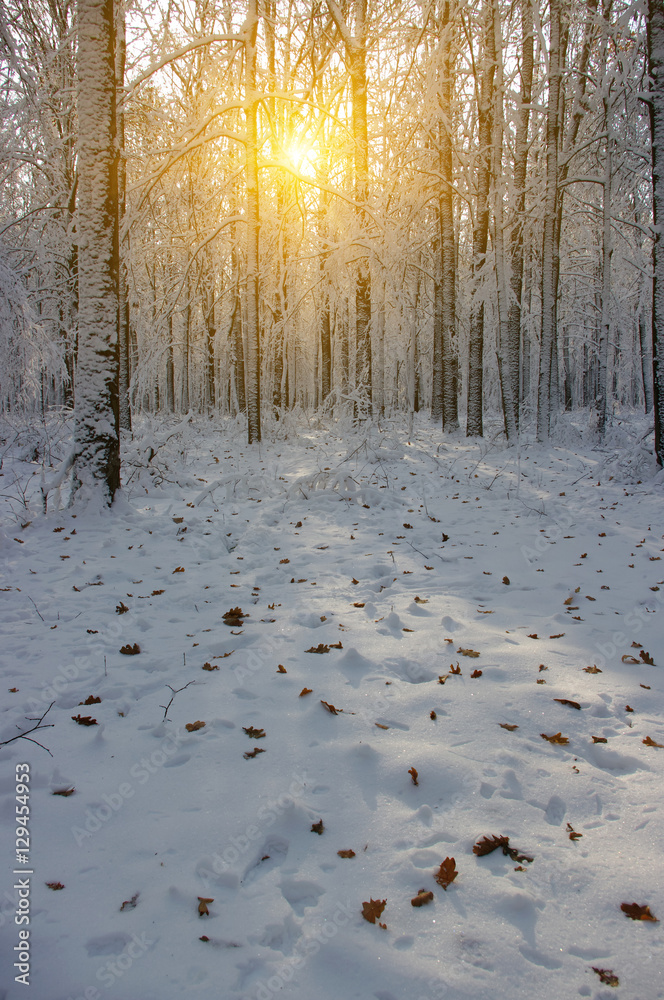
{"type": "Point", "coordinates": [441, 640]}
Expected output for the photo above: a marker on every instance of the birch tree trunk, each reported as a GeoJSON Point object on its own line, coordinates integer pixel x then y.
{"type": "Point", "coordinates": [252, 368]}
{"type": "Point", "coordinates": [97, 461]}
{"type": "Point", "coordinates": [547, 338]}
{"type": "Point", "coordinates": [448, 249]}
{"type": "Point", "coordinates": [656, 70]}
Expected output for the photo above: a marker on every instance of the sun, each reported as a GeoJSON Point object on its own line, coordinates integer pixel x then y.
{"type": "Point", "coordinates": [301, 157]}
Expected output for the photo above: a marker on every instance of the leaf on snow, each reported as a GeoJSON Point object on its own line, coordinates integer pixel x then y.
{"type": "Point", "coordinates": [534, 635]}
{"type": "Point", "coordinates": [510, 726]}
{"type": "Point", "coordinates": [455, 670]}
{"type": "Point", "coordinates": [203, 906]}
{"type": "Point", "coordinates": [600, 739]}
{"type": "Point", "coordinates": [413, 774]}
{"type": "Point", "coordinates": [647, 658]}
{"type": "Point", "coordinates": [423, 897]}
{"type": "Point", "coordinates": [467, 652]}
{"type": "Point", "coordinates": [627, 658]}
{"type": "Point", "coordinates": [318, 827]}
{"type": "Point", "coordinates": [572, 834]}
{"type": "Point", "coordinates": [55, 885]}
{"type": "Point", "coordinates": [606, 976]}
{"type": "Point", "coordinates": [476, 673]}
{"type": "Point", "coordinates": [346, 854]}
{"type": "Point", "coordinates": [304, 692]}
{"type": "Point", "coordinates": [192, 727]}
{"type": "Point", "coordinates": [556, 738]}
{"type": "Point", "coordinates": [129, 650]}
{"type": "Point", "coordinates": [637, 912]}
{"type": "Point", "coordinates": [446, 873]}
{"type": "Point", "coordinates": [65, 792]}
{"type": "Point", "coordinates": [281, 669]}
{"type": "Point", "coordinates": [331, 709]}
{"type": "Point", "coordinates": [489, 844]}
{"type": "Point", "coordinates": [233, 617]}
{"type": "Point", "coordinates": [178, 569]}
{"type": "Point", "coordinates": [90, 700]}
{"type": "Point", "coordinates": [592, 670]}
{"type": "Point", "coordinates": [253, 753]}
{"type": "Point", "coordinates": [85, 720]}
{"type": "Point", "coordinates": [130, 904]}
{"type": "Point", "coordinates": [373, 909]}
{"type": "Point", "coordinates": [420, 600]}
{"type": "Point", "coordinates": [253, 734]}
{"type": "Point", "coordinates": [651, 743]}
{"type": "Point", "coordinates": [121, 609]}
{"type": "Point", "coordinates": [566, 701]}
{"type": "Point", "coordinates": [208, 666]}
{"type": "Point", "coordinates": [320, 648]}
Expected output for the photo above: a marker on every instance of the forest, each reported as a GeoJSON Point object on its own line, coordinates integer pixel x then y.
{"type": "Point", "coordinates": [440, 207]}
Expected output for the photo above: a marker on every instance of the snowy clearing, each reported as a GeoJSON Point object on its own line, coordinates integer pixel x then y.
{"type": "Point", "coordinates": [446, 599]}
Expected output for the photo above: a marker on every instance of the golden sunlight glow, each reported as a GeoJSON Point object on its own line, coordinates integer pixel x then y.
{"type": "Point", "coordinates": [301, 157]}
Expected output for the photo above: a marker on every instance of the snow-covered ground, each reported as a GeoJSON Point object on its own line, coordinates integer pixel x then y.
{"type": "Point", "coordinates": [444, 597]}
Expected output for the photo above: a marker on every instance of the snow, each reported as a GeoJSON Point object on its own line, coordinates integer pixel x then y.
{"type": "Point", "coordinates": [161, 816]}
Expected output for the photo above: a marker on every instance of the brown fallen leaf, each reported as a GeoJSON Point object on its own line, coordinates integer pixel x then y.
{"type": "Point", "coordinates": [281, 669]}
{"type": "Point", "coordinates": [510, 726]}
{"type": "Point", "coordinates": [600, 739]}
{"type": "Point", "coordinates": [455, 670]}
{"type": "Point", "coordinates": [253, 734]}
{"type": "Point", "coordinates": [380, 725]}
{"type": "Point", "coordinates": [346, 854]}
{"type": "Point", "coordinates": [651, 743]}
{"type": "Point", "coordinates": [331, 709]}
{"type": "Point", "coordinates": [178, 569]}
{"type": "Point", "coordinates": [627, 658]}
{"type": "Point", "coordinates": [556, 738]}
{"type": "Point", "coordinates": [533, 635]}
{"type": "Point", "coordinates": [85, 720]}
{"type": "Point", "coordinates": [304, 692]}
{"type": "Point", "coordinates": [320, 648]}
{"type": "Point", "coordinates": [420, 600]}
{"type": "Point", "coordinates": [130, 904]}
{"type": "Point", "coordinates": [489, 844]}
{"type": "Point", "coordinates": [423, 897]}
{"type": "Point", "coordinates": [637, 912]}
{"type": "Point", "coordinates": [318, 827]}
{"type": "Point", "coordinates": [253, 753]}
{"type": "Point", "coordinates": [476, 673]}
{"type": "Point", "coordinates": [571, 832]}
{"type": "Point", "coordinates": [558, 635]}
{"type": "Point", "coordinates": [55, 885]}
{"type": "Point", "coordinates": [606, 976]}
{"type": "Point", "coordinates": [373, 909]}
{"type": "Point", "coordinates": [65, 792]}
{"type": "Point", "coordinates": [566, 701]}
{"type": "Point", "coordinates": [592, 670]}
{"type": "Point", "coordinates": [336, 645]}
{"type": "Point", "coordinates": [506, 580]}
{"type": "Point", "coordinates": [647, 658]}
{"type": "Point", "coordinates": [358, 604]}
{"type": "Point", "coordinates": [90, 700]}
{"type": "Point", "coordinates": [233, 617]}
{"type": "Point", "coordinates": [432, 715]}
{"type": "Point", "coordinates": [413, 775]}
{"type": "Point", "coordinates": [192, 727]}
{"type": "Point", "coordinates": [446, 873]}
{"type": "Point", "coordinates": [467, 652]}
{"type": "Point", "coordinates": [130, 650]}
{"type": "Point", "coordinates": [203, 906]}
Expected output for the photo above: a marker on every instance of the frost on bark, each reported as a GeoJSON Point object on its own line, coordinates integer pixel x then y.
{"type": "Point", "coordinates": [97, 461]}
{"type": "Point", "coordinates": [656, 69]}
{"type": "Point", "coordinates": [252, 380]}
{"type": "Point", "coordinates": [547, 340]}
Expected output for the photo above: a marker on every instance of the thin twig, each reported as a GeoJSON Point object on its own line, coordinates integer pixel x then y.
{"type": "Point", "coordinates": [35, 606]}
{"type": "Point", "coordinates": [24, 736]}
{"type": "Point", "coordinates": [175, 691]}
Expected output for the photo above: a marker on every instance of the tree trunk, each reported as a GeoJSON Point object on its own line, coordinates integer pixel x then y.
{"type": "Point", "coordinates": [656, 70]}
{"type": "Point", "coordinates": [645, 345]}
{"type": "Point", "coordinates": [97, 461]}
{"type": "Point", "coordinates": [602, 388]}
{"type": "Point", "coordinates": [484, 89]}
{"type": "Point", "coordinates": [170, 368]}
{"type": "Point", "coordinates": [253, 371]}
{"type": "Point", "coordinates": [447, 237]}
{"type": "Point", "coordinates": [547, 338]}
{"type": "Point", "coordinates": [123, 291]}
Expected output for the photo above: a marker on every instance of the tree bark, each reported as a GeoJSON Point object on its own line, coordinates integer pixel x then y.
{"type": "Point", "coordinates": [252, 381]}
{"type": "Point", "coordinates": [97, 461]}
{"type": "Point", "coordinates": [656, 70]}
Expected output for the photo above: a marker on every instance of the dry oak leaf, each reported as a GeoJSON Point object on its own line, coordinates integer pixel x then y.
{"type": "Point", "coordinates": [629, 659]}
{"type": "Point", "coordinates": [178, 569]}
{"type": "Point", "coordinates": [647, 658]}
{"type": "Point", "coordinates": [476, 673]}
{"type": "Point", "coordinates": [413, 774]}
{"type": "Point", "coordinates": [121, 609]}
{"type": "Point", "coordinates": [637, 912]}
{"type": "Point", "coordinates": [253, 734]}
{"type": "Point", "coordinates": [131, 650]}
{"type": "Point", "coordinates": [336, 645]}
{"type": "Point", "coordinates": [203, 906]}
{"type": "Point", "coordinates": [346, 854]}
{"type": "Point", "coordinates": [318, 827]}
{"type": "Point", "coordinates": [556, 738]}
{"type": "Point", "coordinates": [281, 669]}
{"type": "Point", "coordinates": [606, 976]}
{"type": "Point", "coordinates": [489, 844]}
{"type": "Point", "coordinates": [331, 709]}
{"type": "Point", "coordinates": [304, 692]}
{"type": "Point", "coordinates": [192, 727]}
{"type": "Point", "coordinates": [55, 885]}
{"type": "Point", "coordinates": [90, 700]}
{"type": "Point", "coordinates": [592, 670]}
{"type": "Point", "coordinates": [420, 600]}
{"type": "Point", "coordinates": [253, 753]}
{"type": "Point", "coordinates": [455, 670]}
{"type": "Point", "coordinates": [651, 743]}
{"type": "Point", "coordinates": [130, 904]}
{"type": "Point", "coordinates": [85, 720]}
{"type": "Point", "coordinates": [423, 897]}
{"type": "Point", "coordinates": [65, 792]}
{"type": "Point", "coordinates": [566, 701]}
{"type": "Point", "coordinates": [510, 726]}
{"type": "Point", "coordinates": [233, 617]}
{"type": "Point", "coordinates": [571, 832]}
{"type": "Point", "coordinates": [373, 909]}
{"type": "Point", "coordinates": [208, 666]}
{"type": "Point", "coordinates": [320, 648]}
{"type": "Point", "coordinates": [380, 725]}
{"type": "Point", "coordinates": [467, 652]}
{"type": "Point", "coordinates": [533, 635]}
{"type": "Point", "coordinates": [446, 873]}
{"type": "Point", "coordinates": [600, 739]}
